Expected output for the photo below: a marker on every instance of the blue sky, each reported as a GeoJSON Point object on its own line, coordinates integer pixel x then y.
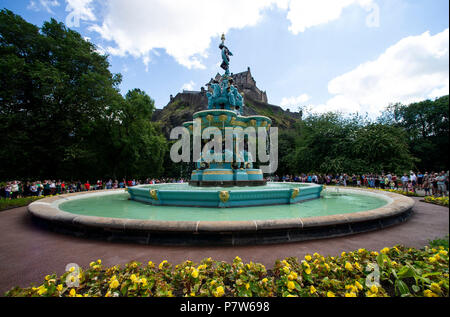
{"type": "Point", "coordinates": [338, 55]}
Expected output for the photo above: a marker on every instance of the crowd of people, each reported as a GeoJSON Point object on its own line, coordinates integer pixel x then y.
{"type": "Point", "coordinates": [16, 189]}
{"type": "Point", "coordinates": [435, 184]}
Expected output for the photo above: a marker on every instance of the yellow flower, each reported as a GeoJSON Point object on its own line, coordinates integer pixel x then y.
{"type": "Point", "coordinates": [143, 281]}
{"type": "Point", "coordinates": [343, 254]}
{"type": "Point", "coordinates": [374, 289]}
{"type": "Point", "coordinates": [169, 294]}
{"type": "Point", "coordinates": [394, 263]}
{"type": "Point", "coordinates": [151, 264]}
{"type": "Point", "coordinates": [264, 280]}
{"type": "Point", "coordinates": [192, 294]}
{"type": "Point", "coordinates": [161, 265]}
{"type": "Point", "coordinates": [429, 293]}
{"type": "Point", "coordinates": [72, 292]}
{"type": "Point", "coordinates": [133, 278]}
{"type": "Point", "coordinates": [317, 255]}
{"type": "Point", "coordinates": [327, 266]}
{"type": "Point", "coordinates": [92, 264]}
{"type": "Point", "coordinates": [72, 269]}
{"type": "Point", "coordinates": [59, 287]}
{"type": "Point", "coordinates": [351, 294]}
{"type": "Point", "coordinates": [213, 282]}
{"type": "Point", "coordinates": [308, 271]}
{"type": "Point", "coordinates": [356, 264]}
{"type": "Point", "coordinates": [247, 286]}
{"type": "Point", "coordinates": [443, 252]}
{"type": "Point", "coordinates": [351, 288]}
{"type": "Point", "coordinates": [99, 261]}
{"type": "Point", "coordinates": [431, 259]}
{"type": "Point", "coordinates": [219, 292]}
{"type": "Point", "coordinates": [42, 290]}
{"type": "Point", "coordinates": [330, 294]}
{"type": "Point", "coordinates": [47, 277]}
{"type": "Point", "coordinates": [361, 250]}
{"type": "Point", "coordinates": [286, 270]}
{"type": "Point", "coordinates": [384, 250]}
{"type": "Point", "coordinates": [308, 257]}
{"type": "Point", "coordinates": [348, 266]}
{"type": "Point", "coordinates": [238, 259]}
{"type": "Point", "coordinates": [292, 276]}
{"type": "Point", "coordinates": [312, 289]}
{"type": "Point", "coordinates": [114, 284]}
{"type": "Point", "coordinates": [358, 285]}
{"type": "Point", "coordinates": [375, 253]}
{"type": "Point", "coordinates": [370, 294]}
{"type": "Point", "coordinates": [435, 288]}
{"type": "Point", "coordinates": [290, 285]}
{"type": "Point", "coordinates": [194, 273]}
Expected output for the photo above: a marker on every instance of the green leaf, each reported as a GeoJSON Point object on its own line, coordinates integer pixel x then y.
{"type": "Point", "coordinates": [401, 287]}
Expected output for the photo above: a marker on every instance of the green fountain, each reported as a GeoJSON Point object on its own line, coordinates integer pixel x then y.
{"type": "Point", "coordinates": [227, 178]}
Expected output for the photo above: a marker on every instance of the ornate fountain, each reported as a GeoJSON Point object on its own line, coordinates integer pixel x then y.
{"type": "Point", "coordinates": [227, 178]}
{"type": "Point", "coordinates": [225, 112]}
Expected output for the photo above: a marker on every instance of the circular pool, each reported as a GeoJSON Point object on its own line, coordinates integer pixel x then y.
{"type": "Point", "coordinates": [112, 215]}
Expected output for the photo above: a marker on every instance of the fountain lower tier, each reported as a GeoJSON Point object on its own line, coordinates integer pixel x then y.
{"type": "Point", "coordinates": [221, 197]}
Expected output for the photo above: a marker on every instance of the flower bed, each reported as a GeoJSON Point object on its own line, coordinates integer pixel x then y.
{"type": "Point", "coordinates": [443, 201]}
{"type": "Point", "coordinates": [402, 272]}
{"type": "Point", "coordinates": [401, 192]}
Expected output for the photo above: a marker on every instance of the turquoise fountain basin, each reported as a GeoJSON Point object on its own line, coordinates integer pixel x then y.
{"type": "Point", "coordinates": [112, 215]}
{"type": "Point", "coordinates": [221, 197]}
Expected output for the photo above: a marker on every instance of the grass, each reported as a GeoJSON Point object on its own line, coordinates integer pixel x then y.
{"type": "Point", "coordinates": [18, 202]}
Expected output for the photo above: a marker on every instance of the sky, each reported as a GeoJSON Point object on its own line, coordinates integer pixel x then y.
{"type": "Point", "coordinates": [352, 56]}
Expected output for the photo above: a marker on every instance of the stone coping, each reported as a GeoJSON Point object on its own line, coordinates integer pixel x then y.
{"type": "Point", "coordinates": [47, 209]}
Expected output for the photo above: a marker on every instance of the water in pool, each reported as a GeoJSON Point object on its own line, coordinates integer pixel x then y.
{"type": "Point", "coordinates": [118, 205]}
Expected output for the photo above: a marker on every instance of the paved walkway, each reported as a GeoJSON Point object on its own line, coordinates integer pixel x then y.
{"type": "Point", "coordinates": [28, 253]}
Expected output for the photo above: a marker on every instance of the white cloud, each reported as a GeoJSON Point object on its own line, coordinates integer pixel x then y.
{"type": "Point", "coordinates": [79, 10]}
{"type": "Point", "coordinates": [413, 69]}
{"type": "Point", "coordinates": [188, 86]}
{"type": "Point", "coordinates": [293, 103]}
{"type": "Point", "coordinates": [304, 14]}
{"type": "Point", "coordinates": [184, 29]}
{"type": "Point", "coordinates": [46, 4]}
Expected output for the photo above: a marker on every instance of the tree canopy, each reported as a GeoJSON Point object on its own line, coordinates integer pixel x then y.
{"type": "Point", "coordinates": [61, 111]}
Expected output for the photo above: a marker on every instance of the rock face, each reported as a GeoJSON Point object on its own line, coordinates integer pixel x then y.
{"type": "Point", "coordinates": [181, 107]}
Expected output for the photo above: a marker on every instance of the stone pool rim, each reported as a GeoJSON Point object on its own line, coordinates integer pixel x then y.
{"type": "Point", "coordinates": [397, 210]}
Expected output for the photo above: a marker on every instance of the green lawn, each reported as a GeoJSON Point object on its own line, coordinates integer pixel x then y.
{"type": "Point", "coordinates": [18, 202]}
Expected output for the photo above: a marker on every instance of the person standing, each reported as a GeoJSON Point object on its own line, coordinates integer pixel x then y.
{"type": "Point", "coordinates": [87, 186]}
{"type": "Point", "coordinates": [405, 180]}
{"type": "Point", "coordinates": [441, 184]}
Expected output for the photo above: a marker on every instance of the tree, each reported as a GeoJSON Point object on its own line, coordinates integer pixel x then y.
{"type": "Point", "coordinates": [61, 111]}
{"type": "Point", "coordinates": [426, 124]}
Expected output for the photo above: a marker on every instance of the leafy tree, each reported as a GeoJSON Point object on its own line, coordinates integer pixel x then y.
{"type": "Point", "coordinates": [426, 124]}
{"type": "Point", "coordinates": [61, 111]}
